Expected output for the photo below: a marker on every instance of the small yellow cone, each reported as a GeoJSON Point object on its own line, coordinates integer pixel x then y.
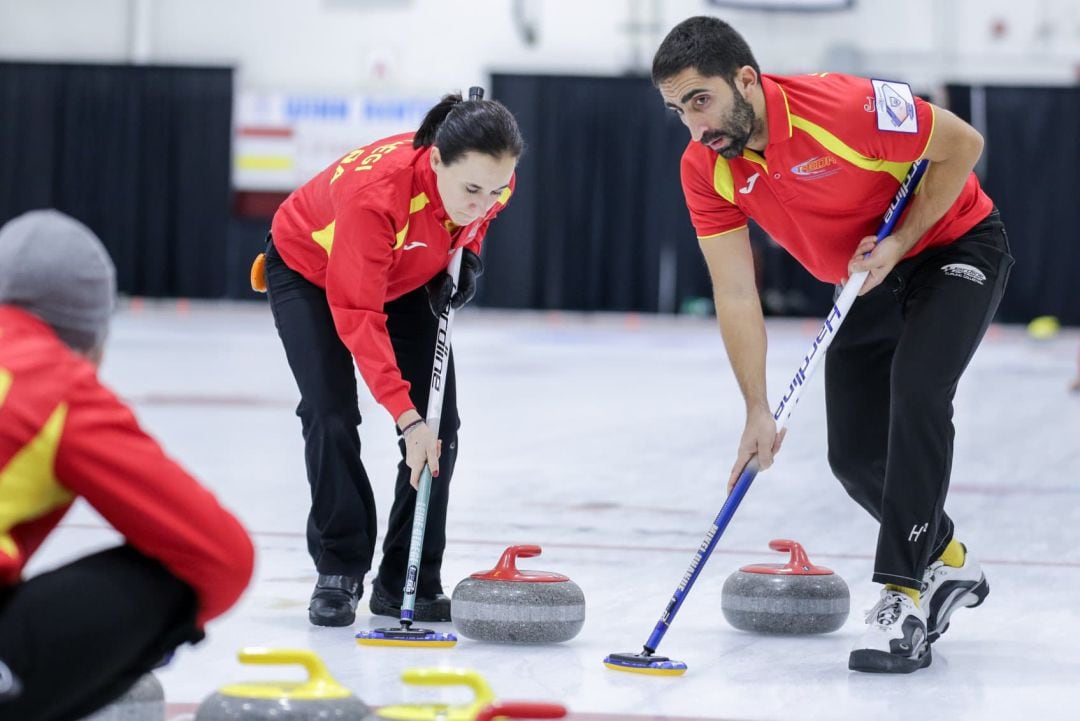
{"type": "Point", "coordinates": [1044, 327]}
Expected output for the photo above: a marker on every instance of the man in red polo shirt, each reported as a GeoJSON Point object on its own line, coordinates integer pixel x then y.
{"type": "Point", "coordinates": [815, 160]}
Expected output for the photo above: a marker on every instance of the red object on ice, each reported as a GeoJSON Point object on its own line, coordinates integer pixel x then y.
{"type": "Point", "coordinates": [798, 565]}
{"type": "Point", "coordinates": [521, 709]}
{"type": "Point", "coordinates": [507, 570]}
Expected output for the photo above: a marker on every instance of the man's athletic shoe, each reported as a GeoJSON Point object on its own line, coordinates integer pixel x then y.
{"type": "Point", "coordinates": [895, 641]}
{"type": "Point", "coordinates": [947, 588]}
{"type": "Point", "coordinates": [333, 602]}
{"type": "Point", "coordinates": [10, 688]}
{"type": "Point", "coordinates": [427, 609]}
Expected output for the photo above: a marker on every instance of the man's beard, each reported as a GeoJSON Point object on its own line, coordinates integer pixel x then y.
{"type": "Point", "coordinates": [739, 127]}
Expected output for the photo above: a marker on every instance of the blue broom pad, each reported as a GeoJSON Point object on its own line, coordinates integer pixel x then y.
{"type": "Point", "coordinates": [405, 634]}
{"type": "Point", "coordinates": [640, 660]}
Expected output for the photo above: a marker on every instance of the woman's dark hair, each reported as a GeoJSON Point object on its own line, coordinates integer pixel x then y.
{"type": "Point", "coordinates": [707, 44]}
{"type": "Point", "coordinates": [459, 126]}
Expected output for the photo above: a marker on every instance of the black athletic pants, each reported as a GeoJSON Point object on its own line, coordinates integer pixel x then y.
{"type": "Point", "coordinates": [80, 636]}
{"type": "Point", "coordinates": [890, 377]}
{"type": "Point", "coordinates": [342, 523]}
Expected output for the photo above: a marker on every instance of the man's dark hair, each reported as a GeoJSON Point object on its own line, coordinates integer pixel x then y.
{"type": "Point", "coordinates": [707, 44]}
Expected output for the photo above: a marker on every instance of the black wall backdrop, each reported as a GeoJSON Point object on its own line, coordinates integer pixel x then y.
{"type": "Point", "coordinates": [598, 207]}
{"type": "Point", "coordinates": [141, 154]}
{"type": "Point", "coordinates": [1032, 172]}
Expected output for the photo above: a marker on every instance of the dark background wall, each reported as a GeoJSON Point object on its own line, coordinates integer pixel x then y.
{"type": "Point", "coordinates": [1033, 174]}
{"type": "Point", "coordinates": [142, 155]}
{"type": "Point", "coordinates": [599, 209]}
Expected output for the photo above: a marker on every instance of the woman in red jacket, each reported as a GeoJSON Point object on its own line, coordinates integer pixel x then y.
{"type": "Point", "coordinates": [355, 269]}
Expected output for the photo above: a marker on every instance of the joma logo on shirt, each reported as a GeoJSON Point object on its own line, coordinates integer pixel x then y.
{"type": "Point", "coordinates": [819, 166]}
{"type": "Point", "coordinates": [749, 187]}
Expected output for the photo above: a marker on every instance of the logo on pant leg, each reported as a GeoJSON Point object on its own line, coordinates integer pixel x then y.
{"type": "Point", "coordinates": [965, 271]}
{"type": "Point", "coordinates": [917, 531]}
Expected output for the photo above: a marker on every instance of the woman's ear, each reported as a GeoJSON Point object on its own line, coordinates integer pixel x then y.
{"type": "Point", "coordinates": [436, 158]}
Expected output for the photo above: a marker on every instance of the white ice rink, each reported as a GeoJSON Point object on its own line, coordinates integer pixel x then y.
{"type": "Point", "coordinates": [607, 439]}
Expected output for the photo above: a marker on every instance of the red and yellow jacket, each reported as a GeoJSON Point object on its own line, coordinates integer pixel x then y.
{"type": "Point", "coordinates": [64, 435]}
{"type": "Point", "coordinates": [830, 170]}
{"type": "Point", "coordinates": [369, 229]}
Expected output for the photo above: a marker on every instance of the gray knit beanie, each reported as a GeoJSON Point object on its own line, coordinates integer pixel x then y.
{"type": "Point", "coordinates": [56, 268]}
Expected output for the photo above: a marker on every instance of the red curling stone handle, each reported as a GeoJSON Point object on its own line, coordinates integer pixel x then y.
{"type": "Point", "coordinates": [506, 569]}
{"type": "Point", "coordinates": [521, 709]}
{"type": "Point", "coordinates": [798, 564]}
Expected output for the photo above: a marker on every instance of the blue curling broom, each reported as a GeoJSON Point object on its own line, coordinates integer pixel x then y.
{"type": "Point", "coordinates": [647, 662]}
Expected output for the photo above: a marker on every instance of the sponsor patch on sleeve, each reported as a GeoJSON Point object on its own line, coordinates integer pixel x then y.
{"type": "Point", "coordinates": [895, 107]}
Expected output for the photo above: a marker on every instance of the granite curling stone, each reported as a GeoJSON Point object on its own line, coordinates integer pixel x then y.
{"type": "Point", "coordinates": [144, 701]}
{"type": "Point", "coordinates": [319, 698]}
{"type": "Point", "coordinates": [794, 598]}
{"type": "Point", "coordinates": [505, 605]}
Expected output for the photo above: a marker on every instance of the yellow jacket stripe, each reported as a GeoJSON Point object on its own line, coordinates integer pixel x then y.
{"type": "Point", "coordinates": [29, 488]}
{"type": "Point", "coordinates": [415, 206]}
{"type": "Point", "coordinates": [837, 146]}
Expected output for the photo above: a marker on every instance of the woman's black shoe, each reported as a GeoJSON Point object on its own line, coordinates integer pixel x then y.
{"type": "Point", "coordinates": [333, 602]}
{"type": "Point", "coordinates": [432, 609]}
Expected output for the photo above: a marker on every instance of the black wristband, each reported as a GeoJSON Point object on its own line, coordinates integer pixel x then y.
{"type": "Point", "coordinates": [414, 424]}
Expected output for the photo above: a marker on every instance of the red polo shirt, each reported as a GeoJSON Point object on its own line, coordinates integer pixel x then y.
{"type": "Point", "coordinates": [369, 229]}
{"type": "Point", "coordinates": [828, 174]}
{"type": "Point", "coordinates": [64, 435]}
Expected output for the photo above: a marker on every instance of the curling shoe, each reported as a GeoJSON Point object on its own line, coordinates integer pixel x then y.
{"type": "Point", "coordinates": [428, 609]}
{"type": "Point", "coordinates": [895, 641]}
{"type": "Point", "coordinates": [10, 688]}
{"type": "Point", "coordinates": [333, 602]}
{"type": "Point", "coordinates": [948, 588]}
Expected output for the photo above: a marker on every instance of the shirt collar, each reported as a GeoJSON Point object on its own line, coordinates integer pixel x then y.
{"type": "Point", "coordinates": [777, 110]}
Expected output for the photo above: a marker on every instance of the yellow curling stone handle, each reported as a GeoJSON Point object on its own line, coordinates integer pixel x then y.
{"type": "Point", "coordinates": [320, 685]}
{"type": "Point", "coordinates": [440, 712]}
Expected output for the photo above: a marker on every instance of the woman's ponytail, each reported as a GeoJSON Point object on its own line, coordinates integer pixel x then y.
{"type": "Point", "coordinates": [425, 136]}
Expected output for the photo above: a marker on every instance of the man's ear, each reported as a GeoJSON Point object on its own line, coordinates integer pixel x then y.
{"type": "Point", "coordinates": [745, 78]}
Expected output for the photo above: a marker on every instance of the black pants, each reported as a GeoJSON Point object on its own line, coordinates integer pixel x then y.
{"type": "Point", "coordinates": [342, 523]}
{"type": "Point", "coordinates": [890, 378]}
{"type": "Point", "coordinates": [80, 636]}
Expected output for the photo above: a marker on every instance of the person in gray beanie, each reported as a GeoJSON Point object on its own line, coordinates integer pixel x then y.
{"type": "Point", "coordinates": [75, 638]}
{"type": "Point", "coordinates": [55, 267]}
